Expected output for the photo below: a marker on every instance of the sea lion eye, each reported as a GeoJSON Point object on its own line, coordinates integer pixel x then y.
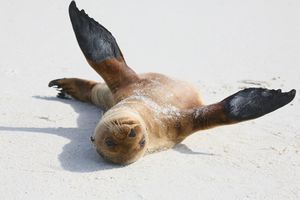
{"type": "Point", "coordinates": [132, 133]}
{"type": "Point", "coordinates": [109, 142]}
{"type": "Point", "coordinates": [142, 143]}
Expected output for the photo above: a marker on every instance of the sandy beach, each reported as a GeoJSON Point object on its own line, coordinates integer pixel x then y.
{"type": "Point", "coordinates": [220, 46]}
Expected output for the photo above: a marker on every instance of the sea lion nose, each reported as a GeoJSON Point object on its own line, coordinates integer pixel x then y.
{"type": "Point", "coordinates": [132, 133]}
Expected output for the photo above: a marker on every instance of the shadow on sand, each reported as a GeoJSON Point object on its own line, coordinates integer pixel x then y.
{"type": "Point", "coordinates": [79, 155]}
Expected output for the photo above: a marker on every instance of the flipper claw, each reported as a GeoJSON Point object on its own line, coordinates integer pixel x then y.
{"type": "Point", "coordinates": [57, 85]}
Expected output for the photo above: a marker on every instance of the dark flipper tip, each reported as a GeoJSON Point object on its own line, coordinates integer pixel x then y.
{"type": "Point", "coordinates": [53, 83]}
{"type": "Point", "coordinates": [72, 5]}
{"type": "Point", "coordinates": [292, 93]}
{"type": "Point", "coordinates": [95, 41]}
{"type": "Point", "coordinates": [56, 83]}
{"type": "Point", "coordinates": [287, 97]}
{"type": "Point", "coordinates": [252, 103]}
{"type": "Point", "coordinates": [73, 10]}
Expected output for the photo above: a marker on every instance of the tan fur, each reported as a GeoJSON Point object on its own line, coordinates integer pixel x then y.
{"type": "Point", "coordinates": [155, 103]}
{"type": "Point", "coordinates": [161, 110]}
{"type": "Point", "coordinates": [148, 112]}
{"type": "Point", "coordinates": [101, 96]}
{"type": "Point", "coordinates": [115, 73]}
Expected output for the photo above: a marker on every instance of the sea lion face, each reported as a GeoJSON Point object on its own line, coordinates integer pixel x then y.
{"type": "Point", "coordinates": [121, 141]}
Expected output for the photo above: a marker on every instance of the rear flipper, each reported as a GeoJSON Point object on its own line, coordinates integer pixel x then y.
{"type": "Point", "coordinates": [244, 105]}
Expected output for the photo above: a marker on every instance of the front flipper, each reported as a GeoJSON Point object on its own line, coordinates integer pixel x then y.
{"type": "Point", "coordinates": [95, 41]}
{"type": "Point", "coordinates": [251, 103]}
{"type": "Point", "coordinates": [79, 89]}
{"type": "Point", "coordinates": [244, 105]}
{"type": "Point", "coordinates": [101, 50]}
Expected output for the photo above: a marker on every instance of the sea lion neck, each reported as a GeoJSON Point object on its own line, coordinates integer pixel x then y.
{"type": "Point", "coordinates": [124, 113]}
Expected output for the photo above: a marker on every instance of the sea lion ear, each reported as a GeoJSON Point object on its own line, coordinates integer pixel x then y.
{"type": "Point", "coordinates": [132, 133]}
{"type": "Point", "coordinates": [92, 139]}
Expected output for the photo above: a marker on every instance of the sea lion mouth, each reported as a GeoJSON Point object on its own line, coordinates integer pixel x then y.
{"type": "Point", "coordinates": [121, 159]}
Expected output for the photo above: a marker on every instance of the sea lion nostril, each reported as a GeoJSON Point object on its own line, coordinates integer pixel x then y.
{"type": "Point", "coordinates": [132, 133]}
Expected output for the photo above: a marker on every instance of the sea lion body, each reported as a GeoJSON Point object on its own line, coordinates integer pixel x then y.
{"type": "Point", "coordinates": [158, 99]}
{"type": "Point", "coordinates": [149, 112]}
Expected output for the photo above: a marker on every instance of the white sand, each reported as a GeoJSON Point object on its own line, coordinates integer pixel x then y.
{"type": "Point", "coordinates": [45, 151]}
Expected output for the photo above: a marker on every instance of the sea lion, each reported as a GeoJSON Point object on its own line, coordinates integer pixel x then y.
{"type": "Point", "coordinates": [149, 112]}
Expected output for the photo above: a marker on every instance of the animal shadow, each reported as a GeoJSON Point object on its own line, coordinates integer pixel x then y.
{"type": "Point", "coordinates": [182, 148]}
{"type": "Point", "coordinates": [79, 155]}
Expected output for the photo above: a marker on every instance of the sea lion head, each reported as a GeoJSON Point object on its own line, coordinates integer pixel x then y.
{"type": "Point", "coordinates": [120, 137]}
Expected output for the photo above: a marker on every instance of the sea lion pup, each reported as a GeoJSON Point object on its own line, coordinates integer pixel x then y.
{"type": "Point", "coordinates": [149, 112]}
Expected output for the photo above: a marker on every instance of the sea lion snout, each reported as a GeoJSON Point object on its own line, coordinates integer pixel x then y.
{"type": "Point", "coordinates": [120, 140]}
